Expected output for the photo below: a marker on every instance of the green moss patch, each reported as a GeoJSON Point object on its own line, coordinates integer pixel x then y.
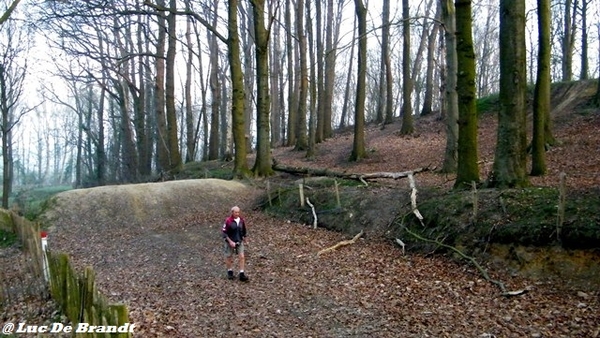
{"type": "Point", "coordinates": [467, 219]}
{"type": "Point", "coordinates": [7, 238]}
{"type": "Point", "coordinates": [526, 217]}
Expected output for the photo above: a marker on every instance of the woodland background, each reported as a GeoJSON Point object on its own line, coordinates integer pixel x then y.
{"type": "Point", "coordinates": [108, 92]}
{"type": "Point", "coordinates": [150, 91]}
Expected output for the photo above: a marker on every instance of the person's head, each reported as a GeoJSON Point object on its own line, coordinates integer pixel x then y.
{"type": "Point", "coordinates": [235, 212]}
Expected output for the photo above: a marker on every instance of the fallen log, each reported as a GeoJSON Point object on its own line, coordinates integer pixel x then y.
{"type": "Point", "coordinates": [339, 174]}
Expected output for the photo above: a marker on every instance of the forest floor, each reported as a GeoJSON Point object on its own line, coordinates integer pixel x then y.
{"type": "Point", "coordinates": [168, 266]}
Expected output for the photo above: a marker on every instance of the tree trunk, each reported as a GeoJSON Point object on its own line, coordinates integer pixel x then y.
{"type": "Point", "coordinates": [240, 164]}
{"type": "Point", "coordinates": [510, 161]}
{"type": "Point", "coordinates": [190, 140]}
{"type": "Point", "coordinates": [407, 83]}
{"type": "Point", "coordinates": [451, 97]}
{"type": "Point", "coordinates": [330, 57]}
{"type": "Point", "coordinates": [467, 168]}
{"type": "Point", "coordinates": [345, 114]}
{"type": "Point", "coordinates": [226, 132]}
{"type": "Point", "coordinates": [317, 81]}
{"type": "Point", "coordinates": [276, 102]}
{"type": "Point", "coordinates": [541, 97]}
{"type": "Point", "coordinates": [385, 100]}
{"type": "Point", "coordinates": [142, 107]}
{"type": "Point", "coordinates": [6, 107]}
{"type": "Point", "coordinates": [584, 42]}
{"type": "Point", "coordinates": [129, 156]}
{"type": "Point", "coordinates": [431, 50]}
{"type": "Point", "coordinates": [567, 43]}
{"type": "Point", "coordinates": [262, 165]}
{"type": "Point", "coordinates": [358, 147]}
{"type": "Point", "coordinates": [301, 140]}
{"type": "Point", "coordinates": [215, 90]}
{"type": "Point", "coordinates": [173, 142]}
{"type": "Point", "coordinates": [248, 42]}
{"type": "Point", "coordinates": [292, 99]}
{"type": "Point", "coordinates": [162, 147]}
{"type": "Point", "coordinates": [100, 151]}
{"type": "Point", "coordinates": [314, 111]}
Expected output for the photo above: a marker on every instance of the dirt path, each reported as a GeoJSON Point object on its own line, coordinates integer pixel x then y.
{"type": "Point", "coordinates": [171, 275]}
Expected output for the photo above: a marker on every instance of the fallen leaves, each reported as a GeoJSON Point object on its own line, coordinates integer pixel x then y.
{"type": "Point", "coordinates": [171, 273]}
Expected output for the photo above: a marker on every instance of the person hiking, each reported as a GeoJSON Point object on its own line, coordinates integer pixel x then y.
{"type": "Point", "coordinates": [234, 234]}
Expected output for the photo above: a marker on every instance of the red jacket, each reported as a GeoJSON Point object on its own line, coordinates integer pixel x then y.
{"type": "Point", "coordinates": [236, 232]}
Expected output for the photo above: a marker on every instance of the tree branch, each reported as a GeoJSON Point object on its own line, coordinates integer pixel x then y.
{"type": "Point", "coordinates": [342, 243]}
{"type": "Point", "coordinates": [9, 11]}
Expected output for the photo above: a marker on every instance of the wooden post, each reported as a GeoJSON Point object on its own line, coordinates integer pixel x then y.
{"type": "Point", "coordinates": [301, 192]}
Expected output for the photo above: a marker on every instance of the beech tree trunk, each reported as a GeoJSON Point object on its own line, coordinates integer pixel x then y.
{"type": "Point", "coordinates": [215, 90]}
{"type": "Point", "coordinates": [162, 147]}
{"type": "Point", "coordinates": [467, 167]}
{"type": "Point", "coordinates": [451, 96]}
{"type": "Point", "coordinates": [302, 137]}
{"type": "Point", "coordinates": [358, 147]}
{"type": "Point", "coordinates": [262, 165]}
{"type": "Point", "coordinates": [240, 163]}
{"type": "Point", "coordinates": [173, 137]}
{"type": "Point", "coordinates": [510, 160]}
{"type": "Point", "coordinates": [407, 83]}
{"type": "Point", "coordinates": [541, 97]}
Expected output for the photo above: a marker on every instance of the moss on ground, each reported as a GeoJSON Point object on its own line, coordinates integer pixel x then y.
{"type": "Point", "coordinates": [7, 238]}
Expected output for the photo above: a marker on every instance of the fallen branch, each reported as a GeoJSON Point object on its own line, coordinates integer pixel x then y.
{"type": "Point", "coordinates": [338, 174]}
{"type": "Point", "coordinates": [413, 198]}
{"type": "Point", "coordinates": [313, 212]}
{"type": "Point", "coordinates": [399, 242]}
{"type": "Point", "coordinates": [483, 272]}
{"type": "Point", "coordinates": [342, 243]}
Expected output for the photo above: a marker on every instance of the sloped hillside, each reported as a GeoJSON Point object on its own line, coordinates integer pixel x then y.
{"type": "Point", "coordinates": [157, 248]}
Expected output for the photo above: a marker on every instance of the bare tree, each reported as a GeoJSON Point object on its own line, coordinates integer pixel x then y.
{"type": "Point", "coordinates": [162, 143]}
{"type": "Point", "coordinates": [316, 83]}
{"type": "Point", "coordinates": [240, 167]}
{"type": "Point", "coordinates": [541, 97]}
{"type": "Point", "coordinates": [215, 89]}
{"type": "Point", "coordinates": [344, 115]}
{"type": "Point", "coordinates": [190, 138]}
{"type": "Point", "coordinates": [262, 165]}
{"type": "Point", "coordinates": [277, 109]}
{"type": "Point", "coordinates": [173, 137]}
{"type": "Point", "coordinates": [509, 168]}
{"type": "Point", "coordinates": [332, 30]}
{"type": "Point", "coordinates": [407, 83]}
{"type": "Point", "coordinates": [568, 41]}
{"type": "Point", "coordinates": [301, 137]}
{"type": "Point", "coordinates": [467, 168]}
{"type": "Point", "coordinates": [358, 148]}
{"type": "Point", "coordinates": [292, 129]}
{"type": "Point", "coordinates": [584, 41]}
{"type": "Point", "coordinates": [13, 68]}
{"type": "Point", "coordinates": [451, 96]}
{"type": "Point", "coordinates": [485, 35]}
{"type": "Point", "coordinates": [431, 50]}
{"type": "Point", "coordinates": [386, 100]}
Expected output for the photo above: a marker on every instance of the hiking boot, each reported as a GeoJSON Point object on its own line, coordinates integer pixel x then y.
{"type": "Point", "coordinates": [230, 275]}
{"type": "Point", "coordinates": [243, 277]}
